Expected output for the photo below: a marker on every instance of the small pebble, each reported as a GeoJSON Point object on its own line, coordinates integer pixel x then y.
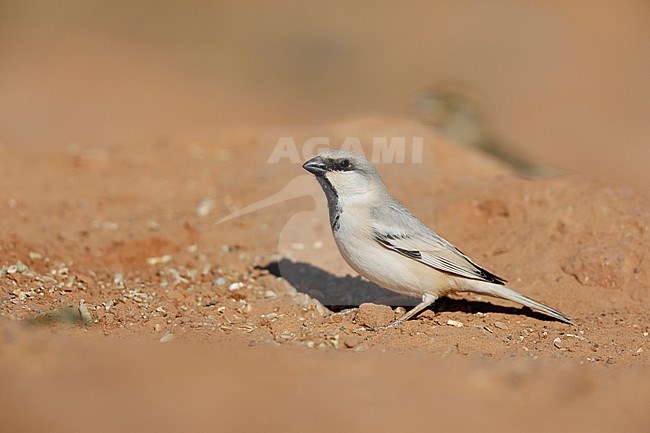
{"type": "Point", "coordinates": [235, 286]}
{"type": "Point", "coordinates": [221, 281]}
{"type": "Point", "coordinates": [455, 323]}
{"type": "Point", "coordinates": [334, 341]}
{"type": "Point", "coordinates": [106, 225]}
{"type": "Point", "coordinates": [159, 260]}
{"type": "Point", "coordinates": [373, 316]}
{"type": "Point", "coordinates": [501, 325]}
{"type": "Point", "coordinates": [205, 206]}
{"type": "Point", "coordinates": [486, 328]}
{"type": "Point", "coordinates": [86, 317]}
{"type": "Point", "coordinates": [152, 225]}
{"type": "Point", "coordinates": [351, 341]}
{"type": "Point", "coordinates": [167, 338]}
{"type": "Point", "coordinates": [557, 342]}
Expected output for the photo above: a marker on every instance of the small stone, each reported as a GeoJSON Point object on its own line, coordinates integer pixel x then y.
{"type": "Point", "coordinates": [373, 316]}
{"type": "Point", "coordinates": [235, 286]}
{"type": "Point", "coordinates": [221, 281]}
{"type": "Point", "coordinates": [159, 260]}
{"type": "Point", "coordinates": [557, 342]}
{"type": "Point", "coordinates": [334, 341]}
{"type": "Point", "coordinates": [167, 338]}
{"type": "Point", "coordinates": [106, 225]}
{"type": "Point", "coordinates": [152, 225]}
{"type": "Point", "coordinates": [34, 256]}
{"type": "Point", "coordinates": [501, 325]}
{"type": "Point", "coordinates": [270, 294]}
{"type": "Point", "coordinates": [455, 323]}
{"type": "Point", "coordinates": [285, 336]}
{"type": "Point", "coordinates": [400, 311]}
{"type": "Point", "coordinates": [639, 350]}
{"type": "Point", "coordinates": [86, 317]}
{"type": "Point", "coordinates": [485, 328]}
{"type": "Point", "coordinates": [350, 341]}
{"type": "Point", "coordinates": [205, 206]}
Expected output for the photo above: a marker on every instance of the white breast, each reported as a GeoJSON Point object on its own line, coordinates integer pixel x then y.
{"type": "Point", "coordinates": [385, 268]}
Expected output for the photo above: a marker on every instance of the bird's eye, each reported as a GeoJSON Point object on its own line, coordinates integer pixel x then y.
{"type": "Point", "coordinates": [344, 164]}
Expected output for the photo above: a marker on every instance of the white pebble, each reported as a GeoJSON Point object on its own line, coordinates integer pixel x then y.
{"type": "Point", "coordinates": [167, 338]}
{"type": "Point", "coordinates": [236, 286]}
{"type": "Point", "coordinates": [205, 206]}
{"type": "Point", "coordinates": [159, 260]}
{"type": "Point", "coordinates": [86, 317]}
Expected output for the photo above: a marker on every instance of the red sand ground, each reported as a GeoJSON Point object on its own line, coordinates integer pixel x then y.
{"type": "Point", "coordinates": [118, 228]}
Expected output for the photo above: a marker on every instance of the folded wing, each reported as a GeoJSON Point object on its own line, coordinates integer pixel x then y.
{"type": "Point", "coordinates": [430, 249]}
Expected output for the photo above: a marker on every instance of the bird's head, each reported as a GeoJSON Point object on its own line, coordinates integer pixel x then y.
{"type": "Point", "coordinates": [347, 174]}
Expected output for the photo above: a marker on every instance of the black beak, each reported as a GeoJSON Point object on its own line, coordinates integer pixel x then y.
{"type": "Point", "coordinates": [315, 166]}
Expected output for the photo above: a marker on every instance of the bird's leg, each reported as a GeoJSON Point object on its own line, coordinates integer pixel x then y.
{"type": "Point", "coordinates": [426, 301]}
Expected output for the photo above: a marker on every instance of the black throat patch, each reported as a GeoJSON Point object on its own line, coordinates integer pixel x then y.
{"type": "Point", "coordinates": [332, 202]}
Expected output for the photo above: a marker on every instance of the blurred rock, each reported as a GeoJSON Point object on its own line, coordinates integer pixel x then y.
{"type": "Point", "coordinates": [372, 316]}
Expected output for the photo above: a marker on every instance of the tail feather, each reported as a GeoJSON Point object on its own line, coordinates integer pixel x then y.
{"type": "Point", "coordinates": [505, 293]}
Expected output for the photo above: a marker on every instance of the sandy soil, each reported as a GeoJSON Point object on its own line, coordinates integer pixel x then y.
{"type": "Point", "coordinates": [124, 307]}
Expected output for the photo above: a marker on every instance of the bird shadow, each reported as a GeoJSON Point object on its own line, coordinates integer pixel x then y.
{"type": "Point", "coordinates": [341, 293]}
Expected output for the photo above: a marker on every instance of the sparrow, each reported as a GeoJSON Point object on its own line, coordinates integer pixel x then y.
{"type": "Point", "coordinates": [382, 241]}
